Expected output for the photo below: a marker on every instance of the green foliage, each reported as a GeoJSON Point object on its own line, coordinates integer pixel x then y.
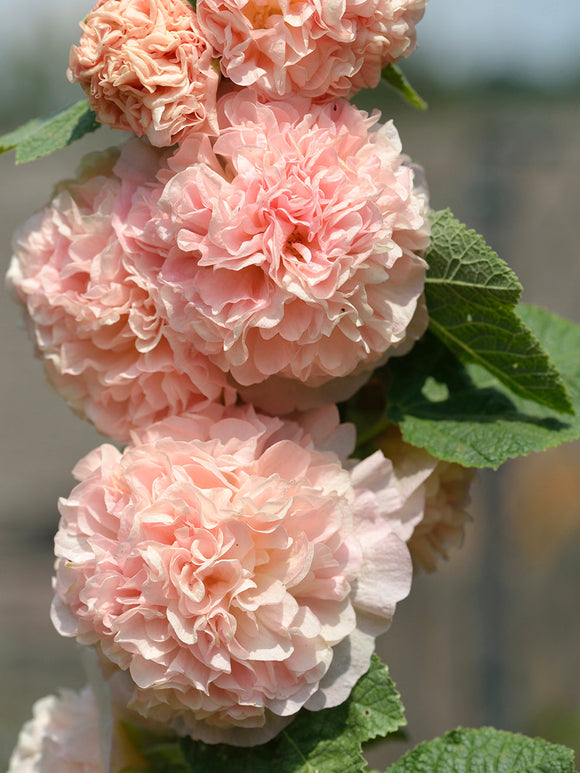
{"type": "Point", "coordinates": [162, 753]}
{"type": "Point", "coordinates": [462, 413]}
{"type": "Point", "coordinates": [471, 296]}
{"type": "Point", "coordinates": [394, 76]}
{"type": "Point", "coordinates": [485, 751]}
{"type": "Point", "coordinates": [43, 136]}
{"type": "Point", "coordinates": [328, 741]}
{"type": "Point", "coordinates": [491, 380]}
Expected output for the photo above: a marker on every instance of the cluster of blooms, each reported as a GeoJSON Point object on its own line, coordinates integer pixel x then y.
{"type": "Point", "coordinates": [206, 294]}
{"type": "Point", "coordinates": [290, 247]}
{"type": "Point", "coordinates": [147, 65]}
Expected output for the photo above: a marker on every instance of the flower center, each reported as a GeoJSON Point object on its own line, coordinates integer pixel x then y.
{"type": "Point", "coordinates": [289, 248]}
{"type": "Point", "coordinates": [258, 13]}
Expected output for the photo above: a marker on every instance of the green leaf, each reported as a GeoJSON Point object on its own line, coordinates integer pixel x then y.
{"type": "Point", "coordinates": [161, 752]}
{"type": "Point", "coordinates": [471, 295]}
{"type": "Point", "coordinates": [485, 751]}
{"type": "Point", "coordinates": [461, 413]}
{"type": "Point", "coordinates": [393, 75]}
{"type": "Point", "coordinates": [327, 741]}
{"type": "Point", "coordinates": [43, 136]}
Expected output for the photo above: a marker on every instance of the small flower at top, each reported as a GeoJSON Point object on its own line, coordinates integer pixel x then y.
{"type": "Point", "coordinates": [146, 68]}
{"type": "Point", "coordinates": [307, 47]}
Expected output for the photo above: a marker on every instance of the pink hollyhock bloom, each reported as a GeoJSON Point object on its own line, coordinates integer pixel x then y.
{"type": "Point", "coordinates": [232, 568]}
{"type": "Point", "coordinates": [440, 491]}
{"type": "Point", "coordinates": [80, 270]}
{"type": "Point", "coordinates": [315, 49]}
{"type": "Point", "coordinates": [62, 736]}
{"type": "Point", "coordinates": [145, 67]}
{"type": "Point", "coordinates": [299, 240]}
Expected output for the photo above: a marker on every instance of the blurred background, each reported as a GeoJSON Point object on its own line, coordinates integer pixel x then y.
{"type": "Point", "coordinates": [493, 636]}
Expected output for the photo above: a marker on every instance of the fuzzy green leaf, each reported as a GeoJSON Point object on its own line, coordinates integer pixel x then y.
{"type": "Point", "coordinates": [394, 76]}
{"type": "Point", "coordinates": [43, 136]}
{"type": "Point", "coordinates": [462, 413]}
{"type": "Point", "coordinates": [485, 751]}
{"type": "Point", "coordinates": [161, 752]}
{"type": "Point", "coordinates": [471, 295]}
{"type": "Point", "coordinates": [327, 741]}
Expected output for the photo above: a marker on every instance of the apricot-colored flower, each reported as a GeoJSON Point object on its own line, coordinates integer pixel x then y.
{"type": "Point", "coordinates": [440, 491]}
{"type": "Point", "coordinates": [80, 269]}
{"type": "Point", "coordinates": [145, 67]}
{"type": "Point", "coordinates": [316, 49]}
{"type": "Point", "coordinates": [61, 737]}
{"type": "Point", "coordinates": [232, 567]}
{"type": "Point", "coordinates": [299, 240]}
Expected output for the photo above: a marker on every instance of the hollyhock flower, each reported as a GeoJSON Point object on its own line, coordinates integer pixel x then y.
{"type": "Point", "coordinates": [79, 270]}
{"type": "Point", "coordinates": [309, 48]}
{"type": "Point", "coordinates": [146, 68]}
{"type": "Point", "coordinates": [299, 240]}
{"type": "Point", "coordinates": [440, 491]}
{"type": "Point", "coordinates": [62, 736]}
{"type": "Point", "coordinates": [231, 567]}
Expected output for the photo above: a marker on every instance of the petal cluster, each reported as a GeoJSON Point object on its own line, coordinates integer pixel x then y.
{"type": "Point", "coordinates": [294, 243]}
{"type": "Point", "coordinates": [80, 269]}
{"type": "Point", "coordinates": [317, 49]}
{"type": "Point", "coordinates": [63, 736]}
{"type": "Point", "coordinates": [146, 67]}
{"type": "Point", "coordinates": [232, 566]}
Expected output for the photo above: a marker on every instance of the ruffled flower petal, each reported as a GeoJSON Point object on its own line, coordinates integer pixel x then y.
{"type": "Point", "coordinates": [435, 496]}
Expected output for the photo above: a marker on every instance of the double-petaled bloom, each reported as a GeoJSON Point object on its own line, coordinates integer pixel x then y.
{"type": "Point", "coordinates": [295, 244]}
{"type": "Point", "coordinates": [81, 270]}
{"type": "Point", "coordinates": [316, 49]}
{"type": "Point", "coordinates": [146, 67]}
{"type": "Point", "coordinates": [234, 567]}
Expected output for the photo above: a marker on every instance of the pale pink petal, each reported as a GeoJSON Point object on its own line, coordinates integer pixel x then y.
{"type": "Point", "coordinates": [63, 736]}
